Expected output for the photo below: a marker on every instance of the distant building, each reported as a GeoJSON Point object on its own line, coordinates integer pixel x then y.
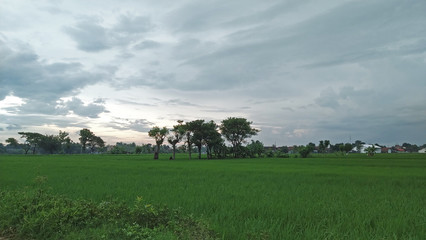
{"type": "Point", "coordinates": [364, 147]}
{"type": "Point", "coordinates": [386, 150]}
{"type": "Point", "coordinates": [423, 150]}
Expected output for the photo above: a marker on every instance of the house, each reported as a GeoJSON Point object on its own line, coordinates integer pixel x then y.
{"type": "Point", "coordinates": [364, 147]}
{"type": "Point", "coordinates": [399, 150]}
{"type": "Point", "coordinates": [423, 150]}
{"type": "Point", "coordinates": [386, 150]}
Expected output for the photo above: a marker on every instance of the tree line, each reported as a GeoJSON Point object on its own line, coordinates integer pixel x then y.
{"type": "Point", "coordinates": [200, 133]}
{"type": "Point", "coordinates": [198, 136]}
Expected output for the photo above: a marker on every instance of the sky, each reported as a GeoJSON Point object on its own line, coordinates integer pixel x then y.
{"type": "Point", "coordinates": [301, 71]}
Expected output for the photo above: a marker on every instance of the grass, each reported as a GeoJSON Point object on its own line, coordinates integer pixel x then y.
{"type": "Point", "coordinates": [324, 197]}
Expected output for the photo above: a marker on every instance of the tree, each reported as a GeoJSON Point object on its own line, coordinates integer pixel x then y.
{"type": "Point", "coordinates": [345, 148]}
{"type": "Point", "coordinates": [50, 143]}
{"type": "Point", "coordinates": [198, 132]}
{"type": "Point", "coordinates": [304, 151]}
{"type": "Point", "coordinates": [371, 150]}
{"type": "Point", "coordinates": [159, 134]}
{"type": "Point", "coordinates": [326, 144]}
{"type": "Point", "coordinates": [284, 149]}
{"type": "Point", "coordinates": [410, 147]}
{"type": "Point", "coordinates": [358, 144]}
{"type": "Point", "coordinates": [94, 142]}
{"type": "Point", "coordinates": [88, 138]}
{"type": "Point", "coordinates": [178, 132]}
{"type": "Point", "coordinates": [32, 140]}
{"type": "Point", "coordinates": [212, 138]}
{"type": "Point", "coordinates": [321, 146]}
{"type": "Point", "coordinates": [85, 136]}
{"type": "Point", "coordinates": [65, 141]}
{"type": "Point", "coordinates": [236, 130]}
{"type": "Point", "coordinates": [255, 148]}
{"type": "Point", "coordinates": [12, 142]}
{"type": "Point", "coordinates": [189, 132]}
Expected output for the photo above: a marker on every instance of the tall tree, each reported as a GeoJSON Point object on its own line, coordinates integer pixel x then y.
{"type": "Point", "coordinates": [50, 143]}
{"type": "Point", "coordinates": [159, 134]}
{"type": "Point", "coordinates": [189, 133]}
{"type": "Point", "coordinates": [321, 146]}
{"type": "Point", "coordinates": [212, 138]}
{"type": "Point", "coordinates": [65, 140]}
{"type": "Point", "coordinates": [177, 134]}
{"type": "Point", "coordinates": [198, 134]}
{"type": "Point", "coordinates": [32, 140]}
{"type": "Point", "coordinates": [326, 144]}
{"type": "Point", "coordinates": [236, 130]}
{"type": "Point", "coordinates": [94, 142]}
{"type": "Point", "coordinates": [85, 136]}
{"type": "Point", "coordinates": [88, 138]}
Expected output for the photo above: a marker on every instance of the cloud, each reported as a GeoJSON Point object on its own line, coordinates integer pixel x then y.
{"type": "Point", "coordinates": [147, 44]}
{"type": "Point", "coordinates": [13, 127]}
{"type": "Point", "coordinates": [91, 36]}
{"type": "Point", "coordinates": [41, 84]}
{"type": "Point", "coordinates": [301, 70]}
{"type": "Point", "coordinates": [130, 24]}
{"type": "Point", "coordinates": [91, 110]}
{"type": "Point", "coordinates": [138, 125]}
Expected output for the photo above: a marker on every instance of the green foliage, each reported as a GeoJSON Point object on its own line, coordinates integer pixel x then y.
{"type": "Point", "coordinates": [159, 134]}
{"type": "Point", "coordinates": [138, 149]}
{"type": "Point", "coordinates": [236, 130]}
{"type": "Point", "coordinates": [118, 150]}
{"type": "Point", "coordinates": [32, 140]}
{"type": "Point", "coordinates": [38, 214]}
{"type": "Point", "coordinates": [88, 138]}
{"type": "Point", "coordinates": [177, 134]}
{"type": "Point", "coordinates": [12, 142]}
{"type": "Point", "coordinates": [304, 151]}
{"type": "Point", "coordinates": [255, 149]}
{"type": "Point", "coordinates": [371, 150]}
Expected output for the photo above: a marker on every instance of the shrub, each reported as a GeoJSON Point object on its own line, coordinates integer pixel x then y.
{"type": "Point", "coordinates": [304, 151]}
{"type": "Point", "coordinates": [37, 214]}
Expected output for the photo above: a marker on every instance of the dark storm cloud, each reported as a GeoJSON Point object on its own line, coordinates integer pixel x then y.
{"type": "Point", "coordinates": [351, 33]}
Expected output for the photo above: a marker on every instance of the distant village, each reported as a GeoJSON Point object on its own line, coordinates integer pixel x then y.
{"type": "Point", "coordinates": [356, 148]}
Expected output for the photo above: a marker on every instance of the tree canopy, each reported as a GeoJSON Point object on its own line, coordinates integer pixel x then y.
{"type": "Point", "coordinates": [236, 131]}
{"type": "Point", "coordinates": [159, 134]}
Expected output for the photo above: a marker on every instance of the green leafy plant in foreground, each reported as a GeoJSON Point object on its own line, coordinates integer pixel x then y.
{"type": "Point", "coordinates": [35, 213]}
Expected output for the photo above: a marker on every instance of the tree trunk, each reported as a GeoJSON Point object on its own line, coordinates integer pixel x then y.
{"type": "Point", "coordinates": [174, 151]}
{"type": "Point", "coordinates": [199, 152]}
{"type": "Point", "coordinates": [157, 152]}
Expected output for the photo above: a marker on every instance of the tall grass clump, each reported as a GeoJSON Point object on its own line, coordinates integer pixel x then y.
{"type": "Point", "coordinates": [36, 213]}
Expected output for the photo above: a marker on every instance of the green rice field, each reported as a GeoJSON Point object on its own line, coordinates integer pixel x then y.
{"type": "Point", "coordinates": [323, 197]}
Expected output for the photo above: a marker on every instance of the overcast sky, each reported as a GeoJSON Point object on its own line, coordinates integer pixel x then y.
{"type": "Point", "coordinates": [302, 71]}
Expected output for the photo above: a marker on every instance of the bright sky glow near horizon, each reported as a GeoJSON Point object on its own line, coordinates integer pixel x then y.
{"type": "Point", "coordinates": [302, 71]}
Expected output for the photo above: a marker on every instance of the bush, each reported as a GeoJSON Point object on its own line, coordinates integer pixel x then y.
{"type": "Point", "coordinates": [37, 214]}
{"type": "Point", "coordinates": [269, 154]}
{"type": "Point", "coordinates": [304, 151]}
